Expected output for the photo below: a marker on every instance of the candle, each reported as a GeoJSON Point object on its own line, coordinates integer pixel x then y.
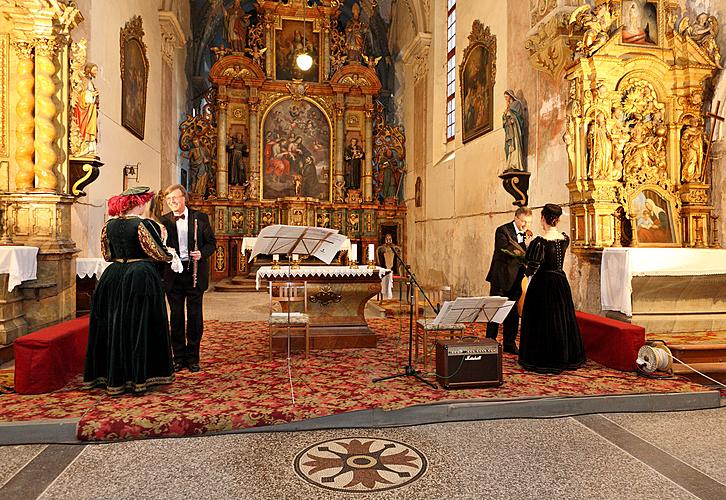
{"type": "Point", "coordinates": [354, 252]}
{"type": "Point", "coordinates": [295, 257]}
{"type": "Point", "coordinates": [371, 252]}
{"type": "Point", "coordinates": [276, 258]}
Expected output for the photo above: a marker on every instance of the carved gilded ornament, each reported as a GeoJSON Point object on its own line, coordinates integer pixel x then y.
{"type": "Point", "coordinates": [25, 120]}
{"type": "Point", "coordinates": [548, 46]}
{"type": "Point", "coordinates": [297, 89]}
{"type": "Point", "coordinates": [594, 23]}
{"type": "Point", "coordinates": [220, 260]}
{"type": "Point", "coordinates": [46, 111]}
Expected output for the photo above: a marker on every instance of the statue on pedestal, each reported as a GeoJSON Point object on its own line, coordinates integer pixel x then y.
{"type": "Point", "coordinates": [236, 24]}
{"type": "Point", "coordinates": [692, 152]}
{"type": "Point", "coordinates": [514, 120]}
{"type": "Point", "coordinates": [200, 166]}
{"type": "Point", "coordinates": [355, 35]}
{"type": "Point", "coordinates": [237, 151]}
{"type": "Point", "coordinates": [84, 103]}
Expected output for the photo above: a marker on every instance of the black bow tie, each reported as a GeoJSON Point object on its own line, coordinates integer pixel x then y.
{"type": "Point", "coordinates": [177, 217]}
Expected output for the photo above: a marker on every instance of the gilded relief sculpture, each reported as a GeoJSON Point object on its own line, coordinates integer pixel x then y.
{"type": "Point", "coordinates": [703, 31]}
{"type": "Point", "coordinates": [692, 151]}
{"type": "Point", "coordinates": [595, 22]}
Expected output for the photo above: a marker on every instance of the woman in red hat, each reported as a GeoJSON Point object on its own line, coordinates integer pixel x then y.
{"type": "Point", "coordinates": [129, 347]}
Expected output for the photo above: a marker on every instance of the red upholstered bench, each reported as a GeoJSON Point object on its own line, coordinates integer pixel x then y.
{"type": "Point", "coordinates": [49, 358]}
{"type": "Point", "coordinates": [610, 342]}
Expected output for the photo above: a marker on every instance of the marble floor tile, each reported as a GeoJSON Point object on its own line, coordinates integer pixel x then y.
{"type": "Point", "coordinates": [14, 458]}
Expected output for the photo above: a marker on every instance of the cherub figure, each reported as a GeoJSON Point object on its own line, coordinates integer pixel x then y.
{"type": "Point", "coordinates": [596, 23]}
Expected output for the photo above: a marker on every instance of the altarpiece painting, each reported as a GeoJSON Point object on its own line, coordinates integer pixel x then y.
{"type": "Point", "coordinates": [654, 221]}
{"type": "Point", "coordinates": [296, 144]}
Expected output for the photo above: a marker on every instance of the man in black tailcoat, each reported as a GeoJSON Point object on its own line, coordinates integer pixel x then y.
{"type": "Point", "coordinates": [506, 273]}
{"type": "Point", "coordinates": [192, 246]}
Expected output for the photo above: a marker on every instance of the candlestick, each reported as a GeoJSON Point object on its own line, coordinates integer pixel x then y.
{"type": "Point", "coordinates": [276, 258]}
{"type": "Point", "coordinates": [295, 261]}
{"type": "Point", "coordinates": [371, 251]}
{"type": "Point", "coordinates": [354, 252]}
{"type": "Point", "coordinates": [275, 261]}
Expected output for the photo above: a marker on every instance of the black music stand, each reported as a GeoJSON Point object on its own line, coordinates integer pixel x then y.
{"type": "Point", "coordinates": [409, 370]}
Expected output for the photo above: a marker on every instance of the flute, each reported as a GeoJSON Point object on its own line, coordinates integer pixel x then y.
{"type": "Point", "coordinates": [195, 262]}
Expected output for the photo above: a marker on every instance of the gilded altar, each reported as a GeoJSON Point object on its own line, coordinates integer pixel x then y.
{"type": "Point", "coordinates": [274, 144]}
{"type": "Point", "coordinates": [637, 126]}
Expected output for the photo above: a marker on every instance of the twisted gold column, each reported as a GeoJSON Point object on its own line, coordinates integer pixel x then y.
{"type": "Point", "coordinates": [25, 127]}
{"type": "Point", "coordinates": [45, 114]}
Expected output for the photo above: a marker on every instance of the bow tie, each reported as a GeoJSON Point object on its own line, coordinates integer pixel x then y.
{"type": "Point", "coordinates": [177, 217]}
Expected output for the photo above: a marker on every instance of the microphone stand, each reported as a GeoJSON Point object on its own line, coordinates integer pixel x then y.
{"type": "Point", "coordinates": [409, 370]}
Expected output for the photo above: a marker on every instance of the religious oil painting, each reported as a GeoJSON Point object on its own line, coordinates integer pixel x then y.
{"type": "Point", "coordinates": [476, 76]}
{"type": "Point", "coordinates": [639, 21]}
{"type": "Point", "coordinates": [134, 78]}
{"type": "Point", "coordinates": [294, 38]}
{"type": "Point", "coordinates": [296, 158]}
{"type": "Point", "coordinates": [654, 223]}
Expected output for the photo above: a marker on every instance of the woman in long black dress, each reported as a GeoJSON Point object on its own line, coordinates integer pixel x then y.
{"type": "Point", "coordinates": [128, 340]}
{"type": "Point", "coordinates": [550, 338]}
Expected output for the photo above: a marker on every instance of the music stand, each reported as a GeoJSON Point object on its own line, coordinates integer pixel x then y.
{"type": "Point", "coordinates": [319, 242]}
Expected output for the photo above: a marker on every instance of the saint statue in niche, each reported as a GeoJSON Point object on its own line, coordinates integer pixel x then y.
{"type": "Point", "coordinates": [354, 156]}
{"type": "Point", "coordinates": [640, 22]}
{"type": "Point", "coordinates": [692, 151]}
{"type": "Point", "coordinates": [600, 148]}
{"type": "Point", "coordinates": [237, 151]}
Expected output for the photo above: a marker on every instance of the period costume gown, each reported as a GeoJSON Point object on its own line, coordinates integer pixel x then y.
{"type": "Point", "coordinates": [550, 337]}
{"type": "Point", "coordinates": [129, 347]}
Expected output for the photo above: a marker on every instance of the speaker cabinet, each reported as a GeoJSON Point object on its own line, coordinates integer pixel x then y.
{"type": "Point", "coordinates": [464, 364]}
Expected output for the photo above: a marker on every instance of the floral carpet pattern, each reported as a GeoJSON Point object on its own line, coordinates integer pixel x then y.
{"type": "Point", "coordinates": [238, 387]}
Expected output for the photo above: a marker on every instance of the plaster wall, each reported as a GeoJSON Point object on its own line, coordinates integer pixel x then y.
{"type": "Point", "coordinates": [157, 154]}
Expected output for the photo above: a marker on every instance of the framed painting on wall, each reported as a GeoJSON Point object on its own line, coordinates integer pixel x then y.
{"type": "Point", "coordinates": [134, 77]}
{"type": "Point", "coordinates": [289, 42]}
{"type": "Point", "coordinates": [477, 73]}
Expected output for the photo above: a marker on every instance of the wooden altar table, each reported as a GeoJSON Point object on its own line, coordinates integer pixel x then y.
{"type": "Point", "coordinates": [337, 297]}
{"type": "Point", "coordinates": [665, 289]}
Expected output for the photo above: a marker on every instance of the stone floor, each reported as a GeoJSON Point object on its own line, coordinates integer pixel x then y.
{"type": "Point", "coordinates": [649, 455]}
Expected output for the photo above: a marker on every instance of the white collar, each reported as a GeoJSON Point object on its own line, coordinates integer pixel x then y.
{"type": "Point", "coordinates": [185, 213]}
{"type": "Point", "coordinates": [516, 229]}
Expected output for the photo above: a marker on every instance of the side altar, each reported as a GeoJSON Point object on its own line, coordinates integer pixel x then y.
{"type": "Point", "coordinates": [640, 120]}
{"type": "Point", "coordinates": [274, 143]}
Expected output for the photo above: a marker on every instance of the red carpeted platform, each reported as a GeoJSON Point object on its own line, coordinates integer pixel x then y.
{"type": "Point", "coordinates": [239, 388]}
{"type": "Point", "coordinates": [610, 342]}
{"type": "Point", "coordinates": [47, 359]}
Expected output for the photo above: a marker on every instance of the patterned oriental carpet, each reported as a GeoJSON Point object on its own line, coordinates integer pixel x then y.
{"type": "Point", "coordinates": [239, 388]}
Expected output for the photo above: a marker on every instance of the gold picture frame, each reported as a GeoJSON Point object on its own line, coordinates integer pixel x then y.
{"type": "Point", "coordinates": [477, 74]}
{"type": "Point", "coordinates": [134, 77]}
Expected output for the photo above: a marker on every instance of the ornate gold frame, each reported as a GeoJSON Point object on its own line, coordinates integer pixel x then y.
{"type": "Point", "coordinates": [480, 36]}
{"type": "Point", "coordinates": [659, 11]}
{"type": "Point", "coordinates": [133, 32]}
{"type": "Point", "coordinates": [261, 135]}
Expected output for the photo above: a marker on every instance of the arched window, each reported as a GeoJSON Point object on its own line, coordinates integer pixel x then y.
{"type": "Point", "coordinates": [451, 71]}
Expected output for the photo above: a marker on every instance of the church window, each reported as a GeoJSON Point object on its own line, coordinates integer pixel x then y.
{"type": "Point", "coordinates": [451, 71]}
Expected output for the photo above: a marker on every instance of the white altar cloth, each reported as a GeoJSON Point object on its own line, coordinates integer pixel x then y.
{"type": "Point", "coordinates": [386, 276]}
{"type": "Point", "coordinates": [619, 265]}
{"type": "Point", "coordinates": [20, 263]}
{"type": "Point", "coordinates": [249, 243]}
{"type": "Point", "coordinates": [90, 266]}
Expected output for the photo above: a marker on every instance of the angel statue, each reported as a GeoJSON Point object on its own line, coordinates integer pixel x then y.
{"type": "Point", "coordinates": [596, 23]}
{"type": "Point", "coordinates": [703, 32]}
{"type": "Point", "coordinates": [84, 102]}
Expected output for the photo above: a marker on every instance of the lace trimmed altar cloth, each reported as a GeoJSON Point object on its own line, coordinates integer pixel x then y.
{"type": "Point", "coordinates": [20, 263]}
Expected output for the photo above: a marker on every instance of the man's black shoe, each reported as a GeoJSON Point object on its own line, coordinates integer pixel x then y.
{"type": "Point", "coordinates": [511, 349]}
{"type": "Point", "coordinates": [178, 366]}
{"type": "Point", "coordinates": [193, 367]}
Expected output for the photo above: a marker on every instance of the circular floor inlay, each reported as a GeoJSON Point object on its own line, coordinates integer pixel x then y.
{"type": "Point", "coordinates": [360, 464]}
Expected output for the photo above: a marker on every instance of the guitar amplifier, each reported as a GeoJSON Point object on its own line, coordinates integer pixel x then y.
{"type": "Point", "coordinates": [474, 363]}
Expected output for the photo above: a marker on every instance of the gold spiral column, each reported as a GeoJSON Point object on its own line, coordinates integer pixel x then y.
{"type": "Point", "coordinates": [25, 127]}
{"type": "Point", "coordinates": [368, 161]}
{"type": "Point", "coordinates": [46, 157]}
{"type": "Point", "coordinates": [222, 148]}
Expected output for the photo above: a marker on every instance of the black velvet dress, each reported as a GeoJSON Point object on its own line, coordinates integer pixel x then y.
{"type": "Point", "coordinates": [129, 347]}
{"type": "Point", "coordinates": [550, 338]}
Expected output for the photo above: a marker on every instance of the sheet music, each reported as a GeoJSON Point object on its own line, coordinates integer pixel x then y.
{"type": "Point", "coordinates": [319, 242]}
{"type": "Point", "coordinates": [504, 309]}
{"type": "Point", "coordinates": [491, 307]}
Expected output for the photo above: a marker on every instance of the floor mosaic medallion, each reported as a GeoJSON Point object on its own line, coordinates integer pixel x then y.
{"type": "Point", "coordinates": [360, 464]}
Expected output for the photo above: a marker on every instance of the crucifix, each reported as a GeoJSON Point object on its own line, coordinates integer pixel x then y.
{"type": "Point", "coordinates": [715, 118]}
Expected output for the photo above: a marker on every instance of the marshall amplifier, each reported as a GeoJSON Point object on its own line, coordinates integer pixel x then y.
{"type": "Point", "coordinates": [463, 364]}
